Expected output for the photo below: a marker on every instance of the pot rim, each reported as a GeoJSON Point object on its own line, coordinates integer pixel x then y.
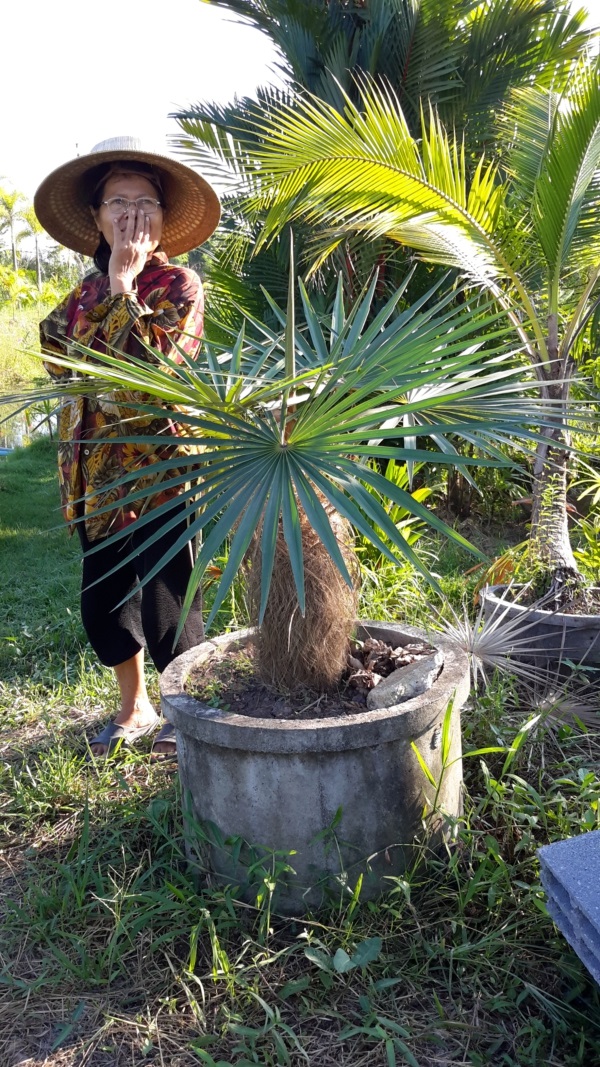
{"type": "Point", "coordinates": [490, 592]}
{"type": "Point", "coordinates": [365, 728]}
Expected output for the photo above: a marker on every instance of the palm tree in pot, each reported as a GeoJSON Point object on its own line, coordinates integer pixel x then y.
{"type": "Point", "coordinates": [295, 427]}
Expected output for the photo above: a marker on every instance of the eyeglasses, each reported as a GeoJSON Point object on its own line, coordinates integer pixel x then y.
{"type": "Point", "coordinates": [146, 205]}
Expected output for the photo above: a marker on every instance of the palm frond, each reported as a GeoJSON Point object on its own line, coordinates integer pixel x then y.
{"type": "Point", "coordinates": [362, 173]}
{"type": "Point", "coordinates": [569, 165]}
{"type": "Point", "coordinates": [504, 45]}
{"type": "Point", "coordinates": [220, 139]}
{"type": "Point", "coordinates": [273, 443]}
{"type": "Point", "coordinates": [525, 128]}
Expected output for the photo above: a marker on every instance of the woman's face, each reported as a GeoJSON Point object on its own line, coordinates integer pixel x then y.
{"type": "Point", "coordinates": [130, 187]}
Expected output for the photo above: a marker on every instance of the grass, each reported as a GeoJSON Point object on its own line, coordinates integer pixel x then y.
{"type": "Point", "coordinates": [19, 332]}
{"type": "Point", "coordinates": [19, 335]}
{"type": "Point", "coordinates": [115, 954]}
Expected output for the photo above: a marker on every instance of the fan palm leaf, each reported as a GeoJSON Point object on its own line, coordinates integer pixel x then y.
{"type": "Point", "coordinates": [279, 441]}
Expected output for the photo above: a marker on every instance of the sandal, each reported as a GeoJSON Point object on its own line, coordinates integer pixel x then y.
{"type": "Point", "coordinates": [113, 733]}
{"type": "Point", "coordinates": [166, 733]}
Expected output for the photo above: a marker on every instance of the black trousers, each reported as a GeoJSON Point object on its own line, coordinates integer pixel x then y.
{"type": "Point", "coordinates": [150, 617]}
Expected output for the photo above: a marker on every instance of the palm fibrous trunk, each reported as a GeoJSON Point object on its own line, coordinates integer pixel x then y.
{"type": "Point", "coordinates": [305, 651]}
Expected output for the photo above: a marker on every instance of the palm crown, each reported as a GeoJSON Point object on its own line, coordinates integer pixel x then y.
{"type": "Point", "coordinates": [454, 54]}
{"type": "Point", "coordinates": [290, 422]}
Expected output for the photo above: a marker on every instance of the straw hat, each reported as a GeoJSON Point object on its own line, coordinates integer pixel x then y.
{"type": "Point", "coordinates": [62, 202]}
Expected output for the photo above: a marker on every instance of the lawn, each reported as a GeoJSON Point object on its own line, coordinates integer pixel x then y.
{"type": "Point", "coordinates": [19, 368]}
{"type": "Point", "coordinates": [114, 954]}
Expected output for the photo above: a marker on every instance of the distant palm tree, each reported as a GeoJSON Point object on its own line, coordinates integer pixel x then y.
{"type": "Point", "coordinates": [11, 212]}
{"type": "Point", "coordinates": [32, 229]}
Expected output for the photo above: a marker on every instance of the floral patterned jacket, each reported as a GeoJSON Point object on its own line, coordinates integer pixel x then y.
{"type": "Point", "coordinates": [167, 307]}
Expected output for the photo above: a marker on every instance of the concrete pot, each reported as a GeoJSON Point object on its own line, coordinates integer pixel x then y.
{"type": "Point", "coordinates": [551, 636]}
{"type": "Point", "coordinates": [279, 784]}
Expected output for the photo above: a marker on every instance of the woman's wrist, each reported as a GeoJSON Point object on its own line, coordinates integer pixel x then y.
{"type": "Point", "coordinates": [120, 286]}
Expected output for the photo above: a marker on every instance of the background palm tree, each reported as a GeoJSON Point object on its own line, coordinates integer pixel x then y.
{"type": "Point", "coordinates": [529, 238]}
{"type": "Point", "coordinates": [460, 56]}
{"type": "Point", "coordinates": [32, 229]}
{"type": "Point", "coordinates": [11, 206]}
{"type": "Point", "coordinates": [453, 53]}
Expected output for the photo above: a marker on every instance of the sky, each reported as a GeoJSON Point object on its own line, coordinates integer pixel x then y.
{"type": "Point", "coordinates": [75, 72]}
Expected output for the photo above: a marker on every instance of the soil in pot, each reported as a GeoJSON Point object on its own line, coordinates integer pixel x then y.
{"type": "Point", "coordinates": [231, 684]}
{"type": "Point", "coordinates": [585, 601]}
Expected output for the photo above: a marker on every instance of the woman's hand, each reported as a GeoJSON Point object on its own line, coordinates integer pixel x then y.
{"type": "Point", "coordinates": [131, 247]}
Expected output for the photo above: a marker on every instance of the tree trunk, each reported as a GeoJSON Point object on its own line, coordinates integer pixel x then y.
{"type": "Point", "coordinates": [14, 247]}
{"type": "Point", "coordinates": [310, 650]}
{"type": "Point", "coordinates": [38, 264]}
{"type": "Point", "coordinates": [550, 544]}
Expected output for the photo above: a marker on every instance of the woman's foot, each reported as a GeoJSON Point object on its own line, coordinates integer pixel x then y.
{"type": "Point", "coordinates": [165, 745]}
{"type": "Point", "coordinates": [127, 727]}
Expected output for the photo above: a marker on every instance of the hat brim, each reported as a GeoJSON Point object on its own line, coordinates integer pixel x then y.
{"type": "Point", "coordinates": [62, 208]}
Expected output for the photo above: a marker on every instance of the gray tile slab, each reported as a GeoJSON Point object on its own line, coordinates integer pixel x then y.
{"type": "Point", "coordinates": [570, 873]}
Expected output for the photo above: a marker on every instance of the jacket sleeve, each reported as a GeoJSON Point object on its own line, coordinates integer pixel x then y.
{"type": "Point", "coordinates": [53, 335]}
{"type": "Point", "coordinates": [171, 315]}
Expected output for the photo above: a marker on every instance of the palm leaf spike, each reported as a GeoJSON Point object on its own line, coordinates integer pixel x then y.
{"type": "Point", "coordinates": [290, 328]}
{"type": "Point", "coordinates": [498, 642]}
{"type": "Point", "coordinates": [289, 347]}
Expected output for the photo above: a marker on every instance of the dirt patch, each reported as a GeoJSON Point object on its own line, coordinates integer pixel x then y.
{"type": "Point", "coordinates": [230, 683]}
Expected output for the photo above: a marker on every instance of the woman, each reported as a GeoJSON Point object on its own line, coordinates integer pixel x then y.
{"type": "Point", "coordinates": [129, 209]}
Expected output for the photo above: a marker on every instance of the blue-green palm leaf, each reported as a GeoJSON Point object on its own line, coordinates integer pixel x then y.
{"type": "Point", "coordinates": [277, 445]}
